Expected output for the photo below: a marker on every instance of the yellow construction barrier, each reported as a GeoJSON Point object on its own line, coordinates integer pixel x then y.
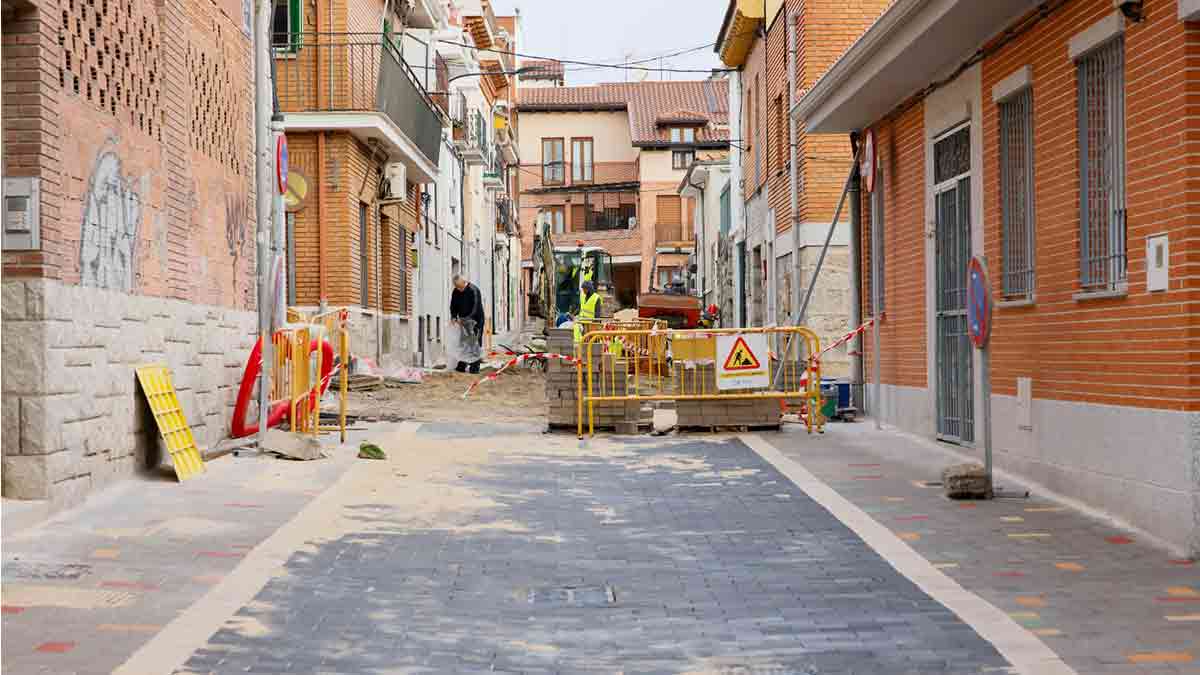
{"type": "Point", "coordinates": [297, 367]}
{"type": "Point", "coordinates": [657, 364]}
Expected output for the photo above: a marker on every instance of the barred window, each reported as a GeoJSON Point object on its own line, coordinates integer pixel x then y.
{"type": "Point", "coordinates": [1101, 83]}
{"type": "Point", "coordinates": [1016, 193]}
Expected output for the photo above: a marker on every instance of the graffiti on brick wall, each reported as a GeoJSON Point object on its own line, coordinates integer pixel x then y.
{"type": "Point", "coordinates": [236, 217]}
{"type": "Point", "coordinates": [112, 214]}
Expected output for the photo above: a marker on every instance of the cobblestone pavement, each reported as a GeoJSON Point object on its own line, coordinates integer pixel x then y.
{"type": "Point", "coordinates": [84, 590]}
{"type": "Point", "coordinates": [496, 548]}
{"type": "Point", "coordinates": [1099, 596]}
{"type": "Point", "coordinates": [535, 556]}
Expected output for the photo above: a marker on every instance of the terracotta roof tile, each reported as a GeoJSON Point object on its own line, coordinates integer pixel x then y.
{"type": "Point", "coordinates": [546, 69]}
{"type": "Point", "coordinates": [646, 102]}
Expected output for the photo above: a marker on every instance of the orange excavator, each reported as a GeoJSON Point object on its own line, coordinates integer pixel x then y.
{"type": "Point", "coordinates": [674, 304]}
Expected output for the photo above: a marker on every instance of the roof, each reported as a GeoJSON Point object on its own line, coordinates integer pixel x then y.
{"type": "Point", "coordinates": [544, 69]}
{"type": "Point", "coordinates": [646, 103]}
{"type": "Point", "coordinates": [680, 117]}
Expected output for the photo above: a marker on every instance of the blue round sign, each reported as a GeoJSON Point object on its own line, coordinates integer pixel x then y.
{"type": "Point", "coordinates": [979, 304]}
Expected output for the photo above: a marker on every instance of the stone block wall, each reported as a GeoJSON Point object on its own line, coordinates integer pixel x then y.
{"type": "Point", "coordinates": [74, 417]}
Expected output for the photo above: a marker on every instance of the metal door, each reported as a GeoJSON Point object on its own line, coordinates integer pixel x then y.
{"type": "Point", "coordinates": [952, 206]}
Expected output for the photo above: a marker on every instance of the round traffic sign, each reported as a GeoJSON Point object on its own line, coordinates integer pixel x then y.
{"type": "Point", "coordinates": [979, 304]}
{"type": "Point", "coordinates": [867, 169]}
{"type": "Point", "coordinates": [281, 164]}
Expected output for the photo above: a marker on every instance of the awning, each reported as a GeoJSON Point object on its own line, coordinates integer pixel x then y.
{"type": "Point", "coordinates": [912, 44]}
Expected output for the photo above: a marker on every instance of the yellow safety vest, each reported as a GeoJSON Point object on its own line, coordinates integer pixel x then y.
{"type": "Point", "coordinates": [588, 309]}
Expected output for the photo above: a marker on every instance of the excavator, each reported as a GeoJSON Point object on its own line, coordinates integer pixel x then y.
{"type": "Point", "coordinates": [559, 272]}
{"type": "Point", "coordinates": [674, 304]}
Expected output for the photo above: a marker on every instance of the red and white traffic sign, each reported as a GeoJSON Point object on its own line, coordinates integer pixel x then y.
{"type": "Point", "coordinates": [281, 164]}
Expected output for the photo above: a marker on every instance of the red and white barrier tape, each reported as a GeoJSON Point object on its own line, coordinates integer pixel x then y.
{"type": "Point", "coordinates": [847, 337]}
{"type": "Point", "coordinates": [512, 362]}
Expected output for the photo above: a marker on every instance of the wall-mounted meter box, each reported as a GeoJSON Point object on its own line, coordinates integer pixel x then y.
{"type": "Point", "coordinates": [1158, 263]}
{"type": "Point", "coordinates": [22, 221]}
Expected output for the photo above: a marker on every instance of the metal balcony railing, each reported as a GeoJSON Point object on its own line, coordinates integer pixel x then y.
{"type": "Point", "coordinates": [357, 72]}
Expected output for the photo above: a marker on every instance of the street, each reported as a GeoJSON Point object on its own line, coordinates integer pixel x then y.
{"type": "Point", "coordinates": [496, 548]}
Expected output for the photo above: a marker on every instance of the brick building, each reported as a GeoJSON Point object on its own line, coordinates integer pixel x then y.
{"type": "Point", "coordinates": [603, 163]}
{"type": "Point", "coordinates": [754, 39]}
{"type": "Point", "coordinates": [365, 139]}
{"type": "Point", "coordinates": [128, 171]}
{"type": "Point", "coordinates": [1056, 141]}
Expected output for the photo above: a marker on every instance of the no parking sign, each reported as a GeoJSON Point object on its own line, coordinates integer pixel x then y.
{"type": "Point", "coordinates": [979, 304]}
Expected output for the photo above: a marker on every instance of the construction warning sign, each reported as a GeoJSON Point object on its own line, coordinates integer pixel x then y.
{"type": "Point", "coordinates": [743, 361]}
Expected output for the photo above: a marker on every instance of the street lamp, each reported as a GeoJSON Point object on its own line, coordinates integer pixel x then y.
{"type": "Point", "coordinates": [518, 71]}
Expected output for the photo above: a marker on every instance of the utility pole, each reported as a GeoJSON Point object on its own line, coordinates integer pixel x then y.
{"type": "Point", "coordinates": [264, 201]}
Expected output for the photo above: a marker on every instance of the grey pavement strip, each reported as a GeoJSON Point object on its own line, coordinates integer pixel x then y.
{"type": "Point", "coordinates": [1025, 651]}
{"type": "Point", "coordinates": [172, 646]}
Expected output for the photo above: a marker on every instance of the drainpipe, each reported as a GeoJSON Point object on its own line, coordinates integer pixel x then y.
{"type": "Point", "coordinates": [793, 169]}
{"type": "Point", "coordinates": [856, 346]}
{"type": "Point", "coordinates": [700, 210]}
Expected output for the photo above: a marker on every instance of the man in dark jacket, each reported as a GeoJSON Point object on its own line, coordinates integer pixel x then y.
{"type": "Point", "coordinates": [466, 309]}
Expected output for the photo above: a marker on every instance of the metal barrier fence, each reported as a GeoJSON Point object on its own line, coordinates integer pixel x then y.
{"type": "Point", "coordinates": [655, 364]}
{"type": "Point", "coordinates": [305, 364]}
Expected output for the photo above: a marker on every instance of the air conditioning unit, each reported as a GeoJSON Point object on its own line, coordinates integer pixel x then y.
{"type": "Point", "coordinates": [395, 181]}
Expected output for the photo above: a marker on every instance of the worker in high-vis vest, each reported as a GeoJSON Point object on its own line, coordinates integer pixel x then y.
{"type": "Point", "coordinates": [589, 308]}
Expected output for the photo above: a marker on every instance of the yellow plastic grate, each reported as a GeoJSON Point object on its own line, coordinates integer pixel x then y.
{"type": "Point", "coordinates": [168, 414]}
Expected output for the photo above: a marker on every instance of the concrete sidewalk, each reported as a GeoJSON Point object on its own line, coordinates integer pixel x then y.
{"type": "Point", "coordinates": [90, 585]}
{"type": "Point", "coordinates": [1106, 599]}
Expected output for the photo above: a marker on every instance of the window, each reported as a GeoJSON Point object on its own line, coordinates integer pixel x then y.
{"type": "Point", "coordinates": [581, 160]}
{"type": "Point", "coordinates": [552, 161]}
{"type": "Point", "coordinates": [402, 263]}
{"type": "Point", "coordinates": [1101, 82]}
{"type": "Point", "coordinates": [364, 262]}
{"type": "Point", "coordinates": [682, 159]}
{"type": "Point", "coordinates": [667, 275]}
{"type": "Point", "coordinates": [1016, 193]}
{"type": "Point", "coordinates": [683, 135]}
{"type": "Point", "coordinates": [669, 225]}
{"type": "Point", "coordinates": [286, 25]}
{"type": "Point", "coordinates": [557, 218]}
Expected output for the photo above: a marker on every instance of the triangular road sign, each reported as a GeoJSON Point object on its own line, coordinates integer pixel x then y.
{"type": "Point", "coordinates": [740, 357]}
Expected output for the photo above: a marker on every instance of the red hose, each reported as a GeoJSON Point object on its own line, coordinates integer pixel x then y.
{"type": "Point", "coordinates": [281, 410]}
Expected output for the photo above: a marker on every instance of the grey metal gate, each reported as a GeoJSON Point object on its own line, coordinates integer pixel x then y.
{"type": "Point", "coordinates": [952, 203]}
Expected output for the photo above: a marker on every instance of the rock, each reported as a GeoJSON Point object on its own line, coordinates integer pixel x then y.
{"type": "Point", "coordinates": [966, 481]}
{"type": "Point", "coordinates": [293, 446]}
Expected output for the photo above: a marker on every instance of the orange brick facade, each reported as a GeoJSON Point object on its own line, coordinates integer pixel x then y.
{"type": "Point", "coordinates": [823, 30]}
{"type": "Point", "coordinates": [1136, 350]}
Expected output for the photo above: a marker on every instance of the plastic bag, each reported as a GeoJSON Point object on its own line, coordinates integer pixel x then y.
{"type": "Point", "coordinates": [464, 344]}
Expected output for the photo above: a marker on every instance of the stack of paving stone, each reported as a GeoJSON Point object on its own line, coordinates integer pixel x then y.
{"type": "Point", "coordinates": [562, 389]}
{"type": "Point", "coordinates": [701, 378]}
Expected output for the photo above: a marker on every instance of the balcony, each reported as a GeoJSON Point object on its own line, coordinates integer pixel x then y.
{"type": "Point", "coordinates": [506, 222]}
{"type": "Point", "coordinates": [673, 233]}
{"type": "Point", "coordinates": [470, 132]}
{"type": "Point", "coordinates": [357, 82]}
{"type": "Point", "coordinates": [493, 172]}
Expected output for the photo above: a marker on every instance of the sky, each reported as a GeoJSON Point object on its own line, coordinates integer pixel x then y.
{"type": "Point", "coordinates": [609, 31]}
